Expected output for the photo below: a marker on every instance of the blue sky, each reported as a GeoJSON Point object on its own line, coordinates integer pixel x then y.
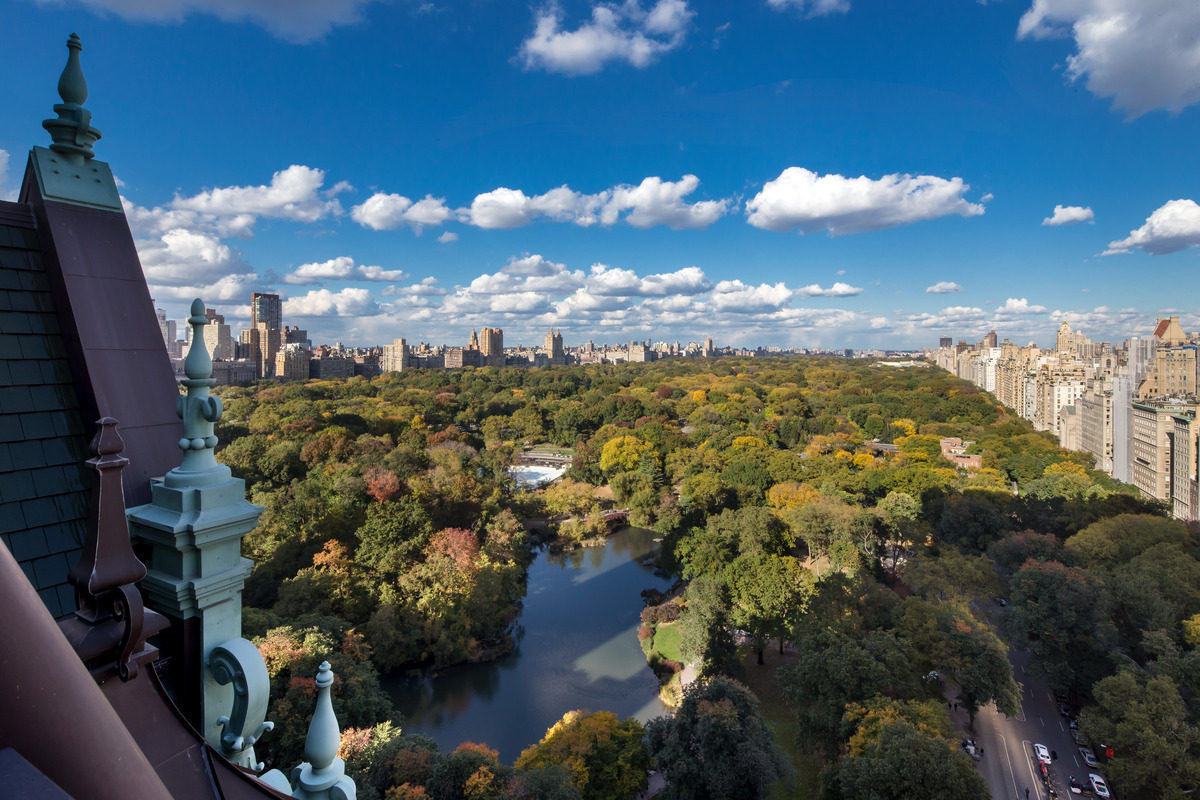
{"type": "Point", "coordinates": [793, 172]}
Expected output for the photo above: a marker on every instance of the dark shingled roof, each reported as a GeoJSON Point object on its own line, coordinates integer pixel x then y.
{"type": "Point", "coordinates": [43, 485]}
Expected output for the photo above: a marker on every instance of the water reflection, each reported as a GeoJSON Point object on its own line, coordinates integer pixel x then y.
{"type": "Point", "coordinates": [578, 649]}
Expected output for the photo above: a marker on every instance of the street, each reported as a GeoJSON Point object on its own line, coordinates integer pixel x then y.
{"type": "Point", "coordinates": [1008, 764]}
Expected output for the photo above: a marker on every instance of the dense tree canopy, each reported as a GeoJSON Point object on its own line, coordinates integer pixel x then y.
{"type": "Point", "coordinates": [393, 538]}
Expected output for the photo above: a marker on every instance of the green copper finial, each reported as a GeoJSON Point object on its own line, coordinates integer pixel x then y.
{"type": "Point", "coordinates": [198, 364]}
{"type": "Point", "coordinates": [72, 87]}
{"type": "Point", "coordinates": [198, 409]}
{"type": "Point", "coordinates": [323, 775]}
{"type": "Point", "coordinates": [72, 131]}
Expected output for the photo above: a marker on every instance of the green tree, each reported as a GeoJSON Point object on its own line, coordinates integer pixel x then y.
{"type": "Point", "coordinates": [950, 639]}
{"type": "Point", "coordinates": [767, 595]}
{"type": "Point", "coordinates": [1119, 539]}
{"type": "Point", "coordinates": [394, 534]}
{"type": "Point", "coordinates": [716, 745]}
{"type": "Point", "coordinates": [1061, 615]}
{"type": "Point", "coordinates": [1156, 747]}
{"type": "Point", "coordinates": [704, 627]}
{"type": "Point", "coordinates": [834, 670]}
{"type": "Point", "coordinates": [606, 757]}
{"type": "Point", "coordinates": [904, 763]}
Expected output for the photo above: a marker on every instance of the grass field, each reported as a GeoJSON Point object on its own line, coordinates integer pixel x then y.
{"type": "Point", "coordinates": [779, 715]}
{"type": "Point", "coordinates": [666, 640]}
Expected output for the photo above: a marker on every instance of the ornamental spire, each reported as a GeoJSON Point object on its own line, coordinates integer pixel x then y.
{"type": "Point", "coordinates": [72, 131]}
{"type": "Point", "coordinates": [323, 776]}
{"type": "Point", "coordinates": [198, 409]}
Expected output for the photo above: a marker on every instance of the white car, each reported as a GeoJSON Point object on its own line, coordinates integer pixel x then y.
{"type": "Point", "coordinates": [1089, 757]}
{"type": "Point", "coordinates": [1042, 753]}
{"type": "Point", "coordinates": [1099, 786]}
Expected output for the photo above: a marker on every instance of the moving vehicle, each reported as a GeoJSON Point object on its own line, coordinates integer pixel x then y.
{"type": "Point", "coordinates": [1099, 786]}
{"type": "Point", "coordinates": [1042, 753]}
{"type": "Point", "coordinates": [1075, 786]}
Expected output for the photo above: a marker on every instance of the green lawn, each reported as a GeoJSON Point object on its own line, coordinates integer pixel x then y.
{"type": "Point", "coordinates": [779, 715]}
{"type": "Point", "coordinates": [666, 640]}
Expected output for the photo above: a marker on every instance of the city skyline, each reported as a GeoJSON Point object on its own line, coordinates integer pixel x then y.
{"type": "Point", "coordinates": [658, 170]}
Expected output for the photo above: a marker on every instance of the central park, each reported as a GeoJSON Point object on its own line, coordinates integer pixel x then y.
{"type": "Point", "coordinates": [805, 599]}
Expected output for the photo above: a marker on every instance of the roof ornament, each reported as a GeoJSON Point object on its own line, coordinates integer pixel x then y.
{"type": "Point", "coordinates": [72, 131]}
{"type": "Point", "coordinates": [323, 776]}
{"type": "Point", "coordinates": [110, 614]}
{"type": "Point", "coordinates": [198, 409]}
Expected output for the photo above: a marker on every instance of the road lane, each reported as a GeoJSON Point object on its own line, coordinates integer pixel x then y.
{"type": "Point", "coordinates": [1009, 765]}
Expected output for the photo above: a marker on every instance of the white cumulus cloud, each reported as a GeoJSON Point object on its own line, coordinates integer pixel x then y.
{"type": "Point", "coordinates": [1067, 215]}
{"type": "Point", "coordinates": [616, 33]}
{"type": "Point", "coordinates": [802, 199]}
{"type": "Point", "coordinates": [382, 211]}
{"type": "Point", "coordinates": [1174, 226]}
{"type": "Point", "coordinates": [943, 287]}
{"type": "Point", "coordinates": [1020, 305]}
{"type": "Point", "coordinates": [347, 302]}
{"type": "Point", "coordinates": [1144, 54]}
{"type": "Point", "coordinates": [652, 202]}
{"type": "Point", "coordinates": [187, 257]}
{"type": "Point", "coordinates": [341, 268]}
{"type": "Point", "coordinates": [743, 298]}
{"type": "Point", "coordinates": [293, 193]}
{"type": "Point", "coordinates": [838, 289]}
{"type": "Point", "coordinates": [658, 202]}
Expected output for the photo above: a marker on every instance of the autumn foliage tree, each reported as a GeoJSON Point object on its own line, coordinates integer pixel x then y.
{"type": "Point", "coordinates": [606, 757]}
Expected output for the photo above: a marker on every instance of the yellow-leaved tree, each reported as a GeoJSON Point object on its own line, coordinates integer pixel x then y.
{"type": "Point", "coordinates": [607, 757]}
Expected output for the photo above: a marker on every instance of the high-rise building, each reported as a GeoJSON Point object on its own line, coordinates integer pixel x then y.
{"type": "Point", "coordinates": [456, 357]}
{"type": "Point", "coordinates": [989, 340]}
{"type": "Point", "coordinates": [554, 348]}
{"type": "Point", "coordinates": [250, 348]}
{"type": "Point", "coordinates": [491, 347]}
{"type": "Point", "coordinates": [946, 341]}
{"type": "Point", "coordinates": [294, 335]}
{"type": "Point", "coordinates": [291, 362]}
{"type": "Point", "coordinates": [1185, 491]}
{"type": "Point", "coordinates": [218, 340]}
{"type": "Point", "coordinates": [1169, 332]}
{"type": "Point", "coordinates": [266, 309]}
{"type": "Point", "coordinates": [269, 344]}
{"type": "Point", "coordinates": [1096, 427]}
{"type": "Point", "coordinates": [1151, 462]}
{"type": "Point", "coordinates": [169, 333]}
{"type": "Point", "coordinates": [394, 357]}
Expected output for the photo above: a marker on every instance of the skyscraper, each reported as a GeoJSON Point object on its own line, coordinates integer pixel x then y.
{"type": "Point", "coordinates": [491, 347]}
{"type": "Point", "coordinates": [554, 348]}
{"type": "Point", "coordinates": [266, 308]}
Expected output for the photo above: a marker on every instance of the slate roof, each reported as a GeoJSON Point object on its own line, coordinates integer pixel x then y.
{"type": "Point", "coordinates": [44, 485]}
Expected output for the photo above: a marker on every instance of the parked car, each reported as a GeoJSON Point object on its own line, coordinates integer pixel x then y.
{"type": "Point", "coordinates": [1075, 786]}
{"type": "Point", "coordinates": [1089, 757]}
{"type": "Point", "coordinates": [1043, 753]}
{"type": "Point", "coordinates": [1079, 738]}
{"type": "Point", "coordinates": [1099, 786]}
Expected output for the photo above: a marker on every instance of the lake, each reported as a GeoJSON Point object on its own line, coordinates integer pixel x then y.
{"type": "Point", "coordinates": [576, 648]}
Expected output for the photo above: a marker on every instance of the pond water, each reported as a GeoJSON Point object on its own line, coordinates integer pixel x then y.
{"type": "Point", "coordinates": [576, 648]}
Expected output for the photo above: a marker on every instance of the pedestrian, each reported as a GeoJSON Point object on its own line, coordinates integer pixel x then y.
{"type": "Point", "coordinates": [947, 705]}
{"type": "Point", "coordinates": [1026, 793]}
{"type": "Point", "coordinates": [956, 705]}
